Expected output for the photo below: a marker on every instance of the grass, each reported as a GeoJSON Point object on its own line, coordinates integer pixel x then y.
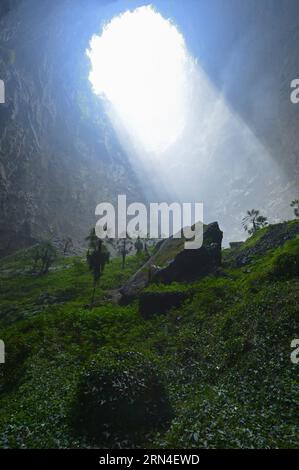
{"type": "Point", "coordinates": [225, 354]}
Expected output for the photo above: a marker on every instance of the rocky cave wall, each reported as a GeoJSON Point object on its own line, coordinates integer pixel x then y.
{"type": "Point", "coordinates": [59, 156]}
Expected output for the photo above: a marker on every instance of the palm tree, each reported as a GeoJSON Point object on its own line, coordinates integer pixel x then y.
{"type": "Point", "coordinates": [253, 221]}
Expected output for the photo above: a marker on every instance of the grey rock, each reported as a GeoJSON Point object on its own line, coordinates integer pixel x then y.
{"type": "Point", "coordinates": [189, 265]}
{"type": "Point", "coordinates": [172, 262]}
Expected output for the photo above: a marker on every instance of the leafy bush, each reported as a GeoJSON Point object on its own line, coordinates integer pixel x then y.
{"type": "Point", "coordinates": [43, 256]}
{"type": "Point", "coordinates": [120, 396]}
{"type": "Point", "coordinates": [286, 264]}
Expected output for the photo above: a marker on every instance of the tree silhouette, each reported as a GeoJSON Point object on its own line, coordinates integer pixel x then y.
{"type": "Point", "coordinates": [67, 243]}
{"type": "Point", "coordinates": [295, 205]}
{"type": "Point", "coordinates": [124, 251]}
{"type": "Point", "coordinates": [125, 248]}
{"type": "Point", "coordinates": [43, 256]}
{"type": "Point", "coordinates": [253, 221]}
{"type": "Point", "coordinates": [97, 256]}
{"type": "Point", "coordinates": [138, 245]}
{"type": "Point", "coordinates": [93, 241]}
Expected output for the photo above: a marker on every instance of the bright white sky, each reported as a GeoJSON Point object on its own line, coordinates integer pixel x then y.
{"type": "Point", "coordinates": [139, 63]}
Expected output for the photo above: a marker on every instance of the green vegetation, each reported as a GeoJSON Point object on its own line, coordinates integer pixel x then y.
{"type": "Point", "coordinates": [120, 397]}
{"type": "Point", "coordinates": [97, 257]}
{"type": "Point", "coordinates": [221, 361]}
{"type": "Point", "coordinates": [43, 256]}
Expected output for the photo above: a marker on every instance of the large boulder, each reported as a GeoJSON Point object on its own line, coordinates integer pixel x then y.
{"type": "Point", "coordinates": [172, 262]}
{"type": "Point", "coordinates": [189, 265]}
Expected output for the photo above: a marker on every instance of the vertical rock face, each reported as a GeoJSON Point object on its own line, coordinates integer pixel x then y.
{"type": "Point", "coordinates": [59, 156]}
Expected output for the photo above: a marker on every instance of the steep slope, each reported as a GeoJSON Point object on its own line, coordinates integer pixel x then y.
{"type": "Point", "coordinates": [224, 355]}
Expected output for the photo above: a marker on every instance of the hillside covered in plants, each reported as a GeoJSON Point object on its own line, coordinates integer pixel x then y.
{"type": "Point", "coordinates": [210, 369]}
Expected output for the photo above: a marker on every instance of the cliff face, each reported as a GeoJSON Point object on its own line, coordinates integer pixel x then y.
{"type": "Point", "coordinates": [59, 156]}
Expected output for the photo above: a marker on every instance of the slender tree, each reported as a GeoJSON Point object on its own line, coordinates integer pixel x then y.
{"type": "Point", "coordinates": [138, 245]}
{"type": "Point", "coordinates": [67, 244]}
{"type": "Point", "coordinates": [125, 248]}
{"type": "Point", "coordinates": [253, 221]}
{"type": "Point", "coordinates": [124, 251]}
{"type": "Point", "coordinates": [97, 256]}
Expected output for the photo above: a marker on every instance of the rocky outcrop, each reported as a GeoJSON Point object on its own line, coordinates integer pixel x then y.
{"type": "Point", "coordinates": [172, 262]}
{"type": "Point", "coordinates": [189, 265]}
{"type": "Point", "coordinates": [274, 236]}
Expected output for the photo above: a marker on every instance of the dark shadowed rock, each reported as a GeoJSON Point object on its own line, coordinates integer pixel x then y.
{"type": "Point", "coordinates": [172, 262]}
{"type": "Point", "coordinates": [189, 265]}
{"type": "Point", "coordinates": [157, 303]}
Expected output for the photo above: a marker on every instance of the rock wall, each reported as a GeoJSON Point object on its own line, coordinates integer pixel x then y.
{"type": "Point", "coordinates": [59, 156]}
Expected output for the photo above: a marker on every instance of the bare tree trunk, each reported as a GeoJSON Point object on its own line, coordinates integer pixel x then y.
{"type": "Point", "coordinates": [93, 294]}
{"type": "Point", "coordinates": [254, 226]}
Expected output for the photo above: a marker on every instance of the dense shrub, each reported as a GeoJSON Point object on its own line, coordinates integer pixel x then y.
{"type": "Point", "coordinates": [286, 264]}
{"type": "Point", "coordinates": [120, 396]}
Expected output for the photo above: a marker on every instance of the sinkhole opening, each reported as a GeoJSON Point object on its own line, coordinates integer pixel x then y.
{"type": "Point", "coordinates": [140, 66]}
